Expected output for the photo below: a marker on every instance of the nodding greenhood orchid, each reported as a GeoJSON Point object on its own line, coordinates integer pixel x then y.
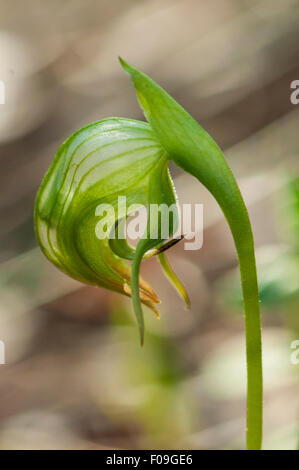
{"type": "Point", "coordinates": [130, 158]}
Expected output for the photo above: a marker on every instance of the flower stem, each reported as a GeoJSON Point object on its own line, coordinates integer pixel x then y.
{"type": "Point", "coordinates": [253, 344]}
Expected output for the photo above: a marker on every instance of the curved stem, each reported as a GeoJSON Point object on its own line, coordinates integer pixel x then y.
{"type": "Point", "coordinates": [236, 214]}
{"type": "Point", "coordinates": [237, 217]}
{"type": "Point", "coordinates": [253, 344]}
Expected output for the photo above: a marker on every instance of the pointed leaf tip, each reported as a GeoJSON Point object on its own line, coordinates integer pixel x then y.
{"type": "Point", "coordinates": [124, 64]}
{"type": "Point", "coordinates": [134, 73]}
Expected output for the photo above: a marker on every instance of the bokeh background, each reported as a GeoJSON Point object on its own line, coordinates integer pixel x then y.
{"type": "Point", "coordinates": [75, 376]}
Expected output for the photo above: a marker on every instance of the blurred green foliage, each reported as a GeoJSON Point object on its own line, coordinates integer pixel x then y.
{"type": "Point", "coordinates": [154, 377]}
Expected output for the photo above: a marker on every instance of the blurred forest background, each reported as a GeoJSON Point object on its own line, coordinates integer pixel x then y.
{"type": "Point", "coordinates": [75, 376]}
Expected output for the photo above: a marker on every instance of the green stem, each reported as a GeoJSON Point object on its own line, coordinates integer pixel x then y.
{"type": "Point", "coordinates": [135, 288]}
{"type": "Point", "coordinates": [253, 344]}
{"type": "Point", "coordinates": [238, 220]}
{"type": "Point", "coordinates": [234, 209]}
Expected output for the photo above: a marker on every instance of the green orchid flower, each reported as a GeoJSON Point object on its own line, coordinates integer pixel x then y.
{"type": "Point", "coordinates": [123, 157]}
